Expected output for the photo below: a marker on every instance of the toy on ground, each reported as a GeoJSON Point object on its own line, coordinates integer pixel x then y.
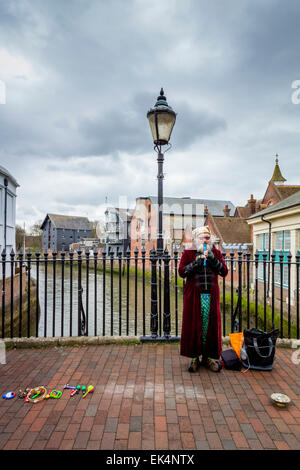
{"type": "Point", "coordinates": [9, 395]}
{"type": "Point", "coordinates": [90, 389]}
{"type": "Point", "coordinates": [74, 392]}
{"type": "Point", "coordinates": [83, 388]}
{"type": "Point", "coordinates": [22, 393]}
{"type": "Point", "coordinates": [53, 394]}
{"type": "Point", "coordinates": [69, 387]}
{"type": "Point", "coordinates": [35, 395]}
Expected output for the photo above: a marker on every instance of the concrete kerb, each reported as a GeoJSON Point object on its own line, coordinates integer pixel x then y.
{"type": "Point", "coordinates": [33, 342]}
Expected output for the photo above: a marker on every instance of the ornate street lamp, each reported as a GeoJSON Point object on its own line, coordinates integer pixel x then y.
{"type": "Point", "coordinates": [161, 119]}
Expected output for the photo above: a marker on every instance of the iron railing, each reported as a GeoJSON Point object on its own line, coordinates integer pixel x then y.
{"type": "Point", "coordinates": [83, 293]}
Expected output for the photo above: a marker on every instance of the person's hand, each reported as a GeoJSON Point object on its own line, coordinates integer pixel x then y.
{"type": "Point", "coordinates": [198, 258]}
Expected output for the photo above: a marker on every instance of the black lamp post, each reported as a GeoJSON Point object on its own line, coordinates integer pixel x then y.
{"type": "Point", "coordinates": [5, 211]}
{"type": "Point", "coordinates": [161, 119]}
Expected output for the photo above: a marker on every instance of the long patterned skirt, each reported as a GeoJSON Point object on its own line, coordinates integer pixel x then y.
{"type": "Point", "coordinates": [205, 304]}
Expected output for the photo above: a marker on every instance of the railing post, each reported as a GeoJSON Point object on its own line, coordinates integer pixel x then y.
{"type": "Point", "coordinates": [54, 254]}
{"type": "Point", "coordinates": [21, 293]}
{"type": "Point", "coordinates": [273, 287]}
{"type": "Point", "coordinates": [28, 290]}
{"type": "Point", "coordinates": [103, 289]}
{"type": "Point", "coordinates": [281, 292]}
{"type": "Point", "coordinates": [265, 254]}
{"type": "Point", "coordinates": [95, 254]}
{"type": "Point", "coordinates": [63, 254]}
{"type": "Point", "coordinates": [231, 290]}
{"type": "Point", "coordinates": [119, 255]}
{"type": "Point", "coordinates": [71, 256]}
{"type": "Point", "coordinates": [256, 288]}
{"type": "Point", "coordinates": [128, 257]}
{"type": "Point", "coordinates": [79, 261]}
{"type": "Point", "coordinates": [297, 291]}
{"type": "Point", "coordinates": [111, 255]}
{"type": "Point", "coordinates": [136, 254]}
{"type": "Point", "coordinates": [45, 291]}
{"type": "Point", "coordinates": [289, 257]}
{"type": "Point", "coordinates": [176, 289]}
{"type": "Point", "coordinates": [144, 307]}
{"type": "Point", "coordinates": [154, 314]}
{"type": "Point", "coordinates": [3, 256]}
{"type": "Point", "coordinates": [87, 268]}
{"type": "Point", "coordinates": [248, 254]}
{"type": "Point", "coordinates": [240, 253]}
{"type": "Point", "coordinates": [12, 271]}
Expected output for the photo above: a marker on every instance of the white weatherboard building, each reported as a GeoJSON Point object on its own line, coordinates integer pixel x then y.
{"type": "Point", "coordinates": [8, 194]}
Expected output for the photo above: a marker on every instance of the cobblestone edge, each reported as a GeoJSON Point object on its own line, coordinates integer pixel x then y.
{"type": "Point", "coordinates": [33, 342]}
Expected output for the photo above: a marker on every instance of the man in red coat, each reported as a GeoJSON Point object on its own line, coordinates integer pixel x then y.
{"type": "Point", "coordinates": [201, 319]}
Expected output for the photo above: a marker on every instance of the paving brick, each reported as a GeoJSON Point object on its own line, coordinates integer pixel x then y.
{"type": "Point", "coordinates": [111, 425]}
{"type": "Point", "coordinates": [248, 431]}
{"type": "Point", "coordinates": [214, 441]}
{"type": "Point", "coordinates": [281, 445]}
{"type": "Point", "coordinates": [134, 440]}
{"type": "Point", "coordinates": [161, 440]}
{"type": "Point", "coordinates": [171, 416]}
{"type": "Point", "coordinates": [160, 423]}
{"type": "Point", "coordinates": [228, 444]}
{"type": "Point", "coordinates": [255, 444]}
{"type": "Point", "coordinates": [240, 440]}
{"type": "Point", "coordinates": [266, 440]}
{"type": "Point", "coordinates": [55, 440]}
{"type": "Point", "coordinates": [148, 401]}
{"type": "Point", "coordinates": [202, 445]}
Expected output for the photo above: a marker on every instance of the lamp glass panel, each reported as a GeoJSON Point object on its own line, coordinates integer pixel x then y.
{"type": "Point", "coordinates": [165, 123]}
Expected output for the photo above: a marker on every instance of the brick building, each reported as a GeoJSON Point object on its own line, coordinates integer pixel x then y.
{"type": "Point", "coordinates": [180, 217]}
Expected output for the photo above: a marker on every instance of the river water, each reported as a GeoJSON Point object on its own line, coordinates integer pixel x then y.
{"type": "Point", "coordinates": [105, 310]}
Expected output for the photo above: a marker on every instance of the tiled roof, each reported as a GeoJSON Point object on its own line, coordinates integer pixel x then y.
{"type": "Point", "coordinates": [293, 200]}
{"type": "Point", "coordinates": [215, 207]}
{"type": "Point", "coordinates": [277, 176]}
{"type": "Point", "coordinates": [232, 229]}
{"type": "Point", "coordinates": [287, 190]}
{"type": "Point", "coordinates": [68, 222]}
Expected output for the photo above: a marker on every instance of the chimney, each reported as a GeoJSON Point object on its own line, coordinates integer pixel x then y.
{"type": "Point", "coordinates": [252, 203]}
{"type": "Point", "coordinates": [226, 211]}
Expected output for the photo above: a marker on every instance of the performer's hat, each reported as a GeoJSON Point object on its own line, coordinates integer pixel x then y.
{"type": "Point", "coordinates": [203, 229]}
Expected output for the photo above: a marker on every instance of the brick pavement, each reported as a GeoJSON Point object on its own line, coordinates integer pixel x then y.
{"type": "Point", "coordinates": [145, 399]}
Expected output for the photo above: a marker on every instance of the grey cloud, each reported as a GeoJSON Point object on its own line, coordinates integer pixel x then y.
{"type": "Point", "coordinates": [226, 69]}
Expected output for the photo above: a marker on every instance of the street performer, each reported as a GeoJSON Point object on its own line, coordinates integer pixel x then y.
{"type": "Point", "coordinates": [201, 332]}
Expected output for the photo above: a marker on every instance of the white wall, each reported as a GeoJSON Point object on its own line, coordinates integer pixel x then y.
{"type": "Point", "coordinates": [11, 213]}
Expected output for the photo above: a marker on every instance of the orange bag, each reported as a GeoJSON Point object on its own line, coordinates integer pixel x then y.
{"type": "Point", "coordinates": [236, 340]}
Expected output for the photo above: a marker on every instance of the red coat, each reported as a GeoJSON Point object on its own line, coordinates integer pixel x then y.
{"type": "Point", "coordinates": [191, 344]}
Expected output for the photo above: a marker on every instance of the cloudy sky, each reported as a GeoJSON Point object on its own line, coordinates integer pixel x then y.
{"type": "Point", "coordinates": [80, 76]}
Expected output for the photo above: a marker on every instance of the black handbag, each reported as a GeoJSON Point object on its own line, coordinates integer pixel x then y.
{"type": "Point", "coordinates": [258, 350]}
{"type": "Point", "coordinates": [230, 360]}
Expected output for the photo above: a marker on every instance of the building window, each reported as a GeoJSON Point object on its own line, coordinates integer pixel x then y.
{"type": "Point", "coordinates": [262, 247]}
{"type": "Point", "coordinates": [282, 245]}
